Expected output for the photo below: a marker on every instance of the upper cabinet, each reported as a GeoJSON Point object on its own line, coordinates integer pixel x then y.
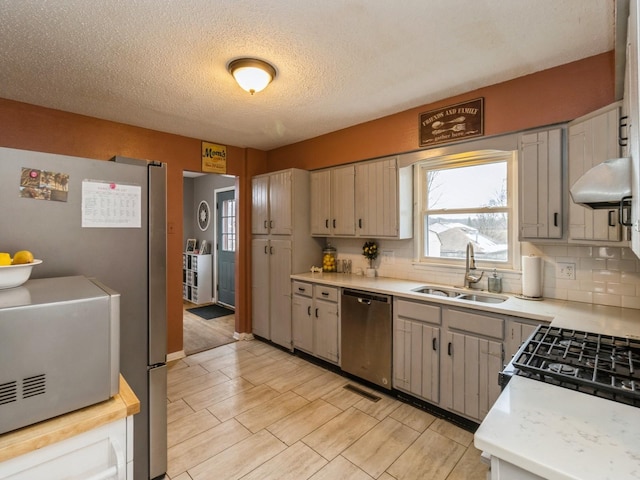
{"type": "Point", "coordinates": [333, 202]}
{"type": "Point", "coordinates": [370, 199]}
{"type": "Point", "coordinates": [592, 140]}
{"type": "Point", "coordinates": [631, 109]}
{"type": "Point", "coordinates": [271, 204]}
{"type": "Point", "coordinates": [540, 184]}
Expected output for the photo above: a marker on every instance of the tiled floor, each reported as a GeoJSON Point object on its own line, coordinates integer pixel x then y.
{"type": "Point", "coordinates": [249, 410]}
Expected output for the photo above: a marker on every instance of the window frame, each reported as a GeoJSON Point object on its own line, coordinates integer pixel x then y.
{"type": "Point", "coordinates": [467, 159]}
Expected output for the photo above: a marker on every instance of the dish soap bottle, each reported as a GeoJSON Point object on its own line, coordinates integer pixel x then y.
{"type": "Point", "coordinates": [495, 282]}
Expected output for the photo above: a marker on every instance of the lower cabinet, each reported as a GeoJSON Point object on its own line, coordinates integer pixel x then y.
{"type": "Point", "coordinates": [471, 359]}
{"type": "Point", "coordinates": [271, 289]}
{"type": "Point", "coordinates": [315, 320]}
{"type": "Point", "coordinates": [105, 452]}
{"type": "Point", "coordinates": [416, 346]}
{"type": "Point", "coordinates": [516, 332]}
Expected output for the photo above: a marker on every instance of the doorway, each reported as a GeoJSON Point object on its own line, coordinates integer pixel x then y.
{"type": "Point", "coordinates": [225, 260]}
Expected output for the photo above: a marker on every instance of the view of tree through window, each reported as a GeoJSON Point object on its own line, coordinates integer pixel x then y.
{"type": "Point", "coordinates": [467, 203]}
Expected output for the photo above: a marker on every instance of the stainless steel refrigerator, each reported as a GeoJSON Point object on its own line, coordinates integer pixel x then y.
{"type": "Point", "coordinates": [102, 219]}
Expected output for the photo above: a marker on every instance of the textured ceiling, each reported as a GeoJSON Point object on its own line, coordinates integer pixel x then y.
{"type": "Point", "coordinates": [161, 64]}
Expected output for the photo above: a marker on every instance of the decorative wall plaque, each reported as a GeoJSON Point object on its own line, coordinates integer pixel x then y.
{"type": "Point", "coordinates": [452, 123]}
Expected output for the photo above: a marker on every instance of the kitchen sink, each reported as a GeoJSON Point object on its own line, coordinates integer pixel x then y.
{"type": "Point", "coordinates": [440, 292]}
{"type": "Point", "coordinates": [473, 297]}
{"type": "Point", "coordinates": [459, 294]}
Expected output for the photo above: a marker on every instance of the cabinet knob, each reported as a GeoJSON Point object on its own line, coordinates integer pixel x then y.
{"type": "Point", "coordinates": [434, 345]}
{"type": "Point", "coordinates": [265, 225]}
{"type": "Point", "coordinates": [309, 310]}
{"type": "Point", "coordinates": [326, 223]}
{"type": "Point", "coordinates": [316, 313]}
{"type": "Point", "coordinates": [449, 349]}
{"type": "Point", "coordinates": [334, 223]}
{"type": "Point", "coordinates": [555, 219]}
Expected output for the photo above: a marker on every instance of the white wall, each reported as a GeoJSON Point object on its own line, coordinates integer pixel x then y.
{"type": "Point", "coordinates": [604, 275]}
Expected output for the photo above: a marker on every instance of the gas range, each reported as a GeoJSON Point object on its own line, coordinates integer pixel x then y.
{"type": "Point", "coordinates": [601, 365]}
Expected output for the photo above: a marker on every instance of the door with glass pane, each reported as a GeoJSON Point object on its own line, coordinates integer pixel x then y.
{"type": "Point", "coordinates": [226, 246]}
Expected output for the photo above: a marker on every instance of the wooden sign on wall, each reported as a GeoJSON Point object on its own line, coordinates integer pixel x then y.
{"type": "Point", "coordinates": [452, 123]}
{"type": "Point", "coordinates": [214, 158]}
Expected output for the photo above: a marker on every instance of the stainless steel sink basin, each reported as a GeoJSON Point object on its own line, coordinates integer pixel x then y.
{"type": "Point", "coordinates": [440, 292]}
{"type": "Point", "coordinates": [474, 297]}
{"type": "Point", "coordinates": [459, 294]}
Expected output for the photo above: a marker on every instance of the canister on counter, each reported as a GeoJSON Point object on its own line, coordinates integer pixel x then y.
{"type": "Point", "coordinates": [494, 283]}
{"type": "Point", "coordinates": [329, 257]}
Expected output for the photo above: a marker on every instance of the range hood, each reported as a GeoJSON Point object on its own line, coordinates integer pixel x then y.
{"type": "Point", "coordinates": [606, 185]}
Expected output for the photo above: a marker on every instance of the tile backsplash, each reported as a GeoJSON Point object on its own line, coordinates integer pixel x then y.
{"type": "Point", "coordinates": [603, 275]}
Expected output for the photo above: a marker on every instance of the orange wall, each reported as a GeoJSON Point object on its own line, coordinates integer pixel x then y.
{"type": "Point", "coordinates": [29, 127]}
{"type": "Point", "coordinates": [551, 96]}
{"type": "Point", "coordinates": [547, 97]}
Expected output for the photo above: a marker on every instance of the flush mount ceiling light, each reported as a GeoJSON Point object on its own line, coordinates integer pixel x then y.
{"type": "Point", "coordinates": [252, 75]}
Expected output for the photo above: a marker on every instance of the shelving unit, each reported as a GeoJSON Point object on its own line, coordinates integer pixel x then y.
{"type": "Point", "coordinates": [196, 278]}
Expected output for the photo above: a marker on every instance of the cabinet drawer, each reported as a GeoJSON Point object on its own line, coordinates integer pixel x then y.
{"type": "Point", "coordinates": [302, 288]}
{"type": "Point", "coordinates": [419, 311]}
{"type": "Point", "coordinates": [326, 293]}
{"type": "Point", "coordinates": [475, 323]}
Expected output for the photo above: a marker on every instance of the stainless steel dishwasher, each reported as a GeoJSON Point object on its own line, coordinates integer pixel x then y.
{"type": "Point", "coordinates": [366, 336]}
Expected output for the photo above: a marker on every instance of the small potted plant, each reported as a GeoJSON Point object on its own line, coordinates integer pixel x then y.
{"type": "Point", "coordinates": [370, 252]}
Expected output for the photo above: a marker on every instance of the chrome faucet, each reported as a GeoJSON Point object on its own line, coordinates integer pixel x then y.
{"type": "Point", "coordinates": [469, 277]}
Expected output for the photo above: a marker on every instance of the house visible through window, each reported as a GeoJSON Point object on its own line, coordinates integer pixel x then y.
{"type": "Point", "coordinates": [467, 200]}
{"type": "Point", "coordinates": [229, 225]}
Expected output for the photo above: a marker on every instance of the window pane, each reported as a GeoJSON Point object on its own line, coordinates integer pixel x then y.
{"type": "Point", "coordinates": [446, 236]}
{"type": "Point", "coordinates": [467, 187]}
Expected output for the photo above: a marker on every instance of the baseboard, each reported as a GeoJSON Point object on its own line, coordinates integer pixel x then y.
{"type": "Point", "coordinates": [173, 356]}
{"type": "Point", "coordinates": [242, 336]}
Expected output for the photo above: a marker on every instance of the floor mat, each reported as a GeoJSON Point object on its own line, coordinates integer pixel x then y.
{"type": "Point", "coordinates": [209, 312]}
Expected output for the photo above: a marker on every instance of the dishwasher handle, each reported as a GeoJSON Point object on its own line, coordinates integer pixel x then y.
{"type": "Point", "coordinates": [366, 298]}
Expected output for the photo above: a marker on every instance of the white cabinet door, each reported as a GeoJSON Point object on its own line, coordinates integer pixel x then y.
{"type": "Point", "coordinates": [343, 201]}
{"type": "Point", "coordinates": [377, 198]}
{"type": "Point", "coordinates": [592, 141]}
{"type": "Point", "coordinates": [280, 206]}
{"type": "Point", "coordinates": [416, 354]}
{"type": "Point", "coordinates": [632, 100]}
{"type": "Point", "coordinates": [280, 292]}
{"type": "Point", "coordinates": [321, 203]}
{"type": "Point", "coordinates": [326, 329]}
{"type": "Point", "coordinates": [302, 322]}
{"type": "Point", "coordinates": [540, 184]}
{"type": "Point", "coordinates": [260, 279]}
{"type": "Point", "coordinates": [515, 333]}
{"type": "Point", "coordinates": [100, 453]}
{"type": "Point", "coordinates": [402, 354]}
{"type": "Point", "coordinates": [470, 384]}
{"type": "Point", "coordinates": [429, 362]}
{"type": "Point", "coordinates": [260, 205]}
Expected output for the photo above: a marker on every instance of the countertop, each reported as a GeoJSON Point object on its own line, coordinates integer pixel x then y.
{"type": "Point", "coordinates": [575, 315]}
{"type": "Point", "coordinates": [559, 433]}
{"type": "Point", "coordinates": [551, 431]}
{"type": "Point", "coordinates": [33, 437]}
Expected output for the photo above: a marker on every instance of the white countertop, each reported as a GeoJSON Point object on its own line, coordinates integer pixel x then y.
{"type": "Point", "coordinates": [551, 431]}
{"type": "Point", "coordinates": [558, 433]}
{"type": "Point", "coordinates": [575, 315]}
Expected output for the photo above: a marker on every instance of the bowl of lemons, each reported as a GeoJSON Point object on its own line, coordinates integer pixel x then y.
{"type": "Point", "coordinates": [16, 270]}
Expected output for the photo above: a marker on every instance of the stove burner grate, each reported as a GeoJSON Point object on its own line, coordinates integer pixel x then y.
{"type": "Point", "coordinates": [600, 365]}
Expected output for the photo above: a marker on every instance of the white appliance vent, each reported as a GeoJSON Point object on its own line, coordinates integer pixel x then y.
{"type": "Point", "coordinates": [32, 386]}
{"type": "Point", "coordinates": [8, 392]}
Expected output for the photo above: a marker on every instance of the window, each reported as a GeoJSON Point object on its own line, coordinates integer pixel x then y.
{"type": "Point", "coordinates": [467, 198]}
{"type": "Point", "coordinates": [228, 232]}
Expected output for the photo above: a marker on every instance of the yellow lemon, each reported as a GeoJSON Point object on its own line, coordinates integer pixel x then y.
{"type": "Point", "coordinates": [23, 256]}
{"type": "Point", "coordinates": [5, 259]}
